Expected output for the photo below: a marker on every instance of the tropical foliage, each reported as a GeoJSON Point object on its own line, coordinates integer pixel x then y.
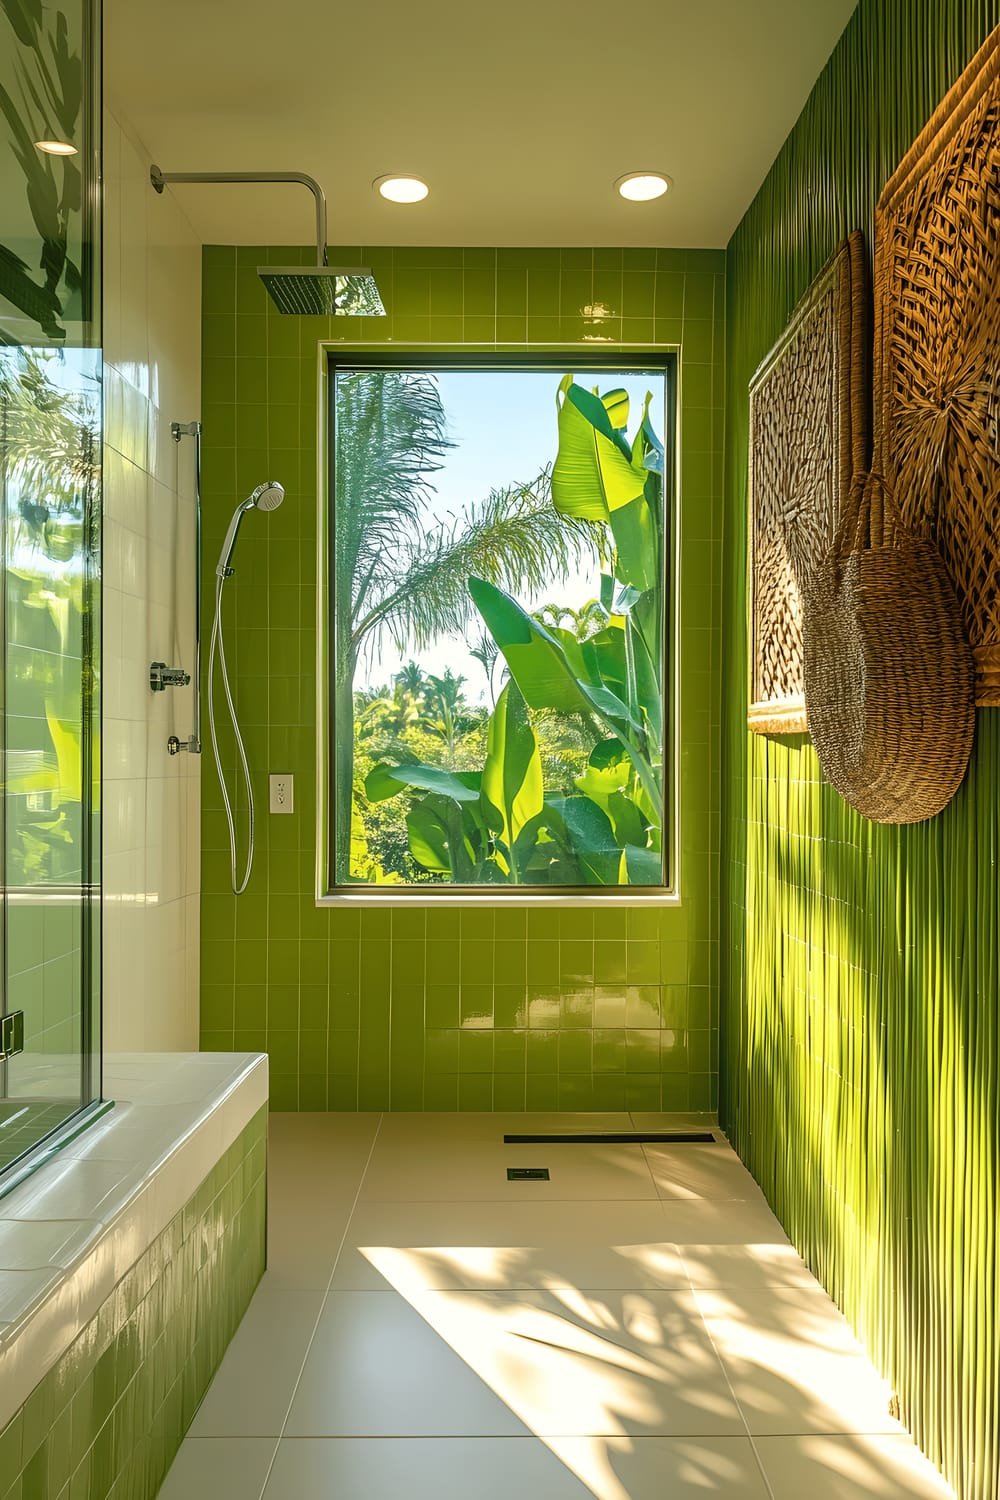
{"type": "Point", "coordinates": [560, 782]}
{"type": "Point", "coordinates": [398, 576]}
{"type": "Point", "coordinates": [41, 94]}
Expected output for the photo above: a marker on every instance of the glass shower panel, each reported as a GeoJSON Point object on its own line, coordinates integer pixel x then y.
{"type": "Point", "coordinates": [50, 506]}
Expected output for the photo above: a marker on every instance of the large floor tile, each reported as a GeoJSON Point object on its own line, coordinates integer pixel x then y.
{"type": "Point", "coordinates": [253, 1386]}
{"type": "Point", "coordinates": [794, 1364]}
{"type": "Point", "coordinates": [490, 1246]}
{"type": "Point", "coordinates": [718, 1221]}
{"type": "Point", "coordinates": [376, 1368]}
{"type": "Point", "coordinates": [753, 1265]}
{"type": "Point", "coordinates": [687, 1120]}
{"type": "Point", "coordinates": [316, 1164]}
{"type": "Point", "coordinates": [211, 1468]}
{"type": "Point", "coordinates": [442, 1127]}
{"type": "Point", "coordinates": [577, 1364]}
{"type": "Point", "coordinates": [328, 1133]}
{"type": "Point", "coordinates": [696, 1172]}
{"type": "Point", "coordinates": [850, 1468]}
{"type": "Point", "coordinates": [337, 1147]}
{"type": "Point", "coordinates": [499, 1468]}
{"type": "Point", "coordinates": [476, 1171]}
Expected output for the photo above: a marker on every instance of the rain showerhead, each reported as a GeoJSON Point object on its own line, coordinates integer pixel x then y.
{"type": "Point", "coordinates": [267, 496]}
{"type": "Point", "coordinates": [326, 291]}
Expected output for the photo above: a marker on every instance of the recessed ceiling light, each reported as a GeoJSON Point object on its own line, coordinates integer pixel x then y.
{"type": "Point", "coordinates": [401, 189]}
{"type": "Point", "coordinates": [56, 148]}
{"type": "Point", "coordinates": [640, 187]}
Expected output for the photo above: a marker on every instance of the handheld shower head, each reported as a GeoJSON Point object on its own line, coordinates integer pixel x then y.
{"type": "Point", "coordinates": [267, 496]}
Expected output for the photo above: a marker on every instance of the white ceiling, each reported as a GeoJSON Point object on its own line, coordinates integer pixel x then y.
{"type": "Point", "coordinates": [519, 114]}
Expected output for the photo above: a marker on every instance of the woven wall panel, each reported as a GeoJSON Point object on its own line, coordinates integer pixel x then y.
{"type": "Point", "coordinates": [861, 964]}
{"type": "Point", "coordinates": [809, 427]}
{"type": "Point", "coordinates": [937, 273]}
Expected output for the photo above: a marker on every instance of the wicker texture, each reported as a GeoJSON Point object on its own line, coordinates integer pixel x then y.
{"type": "Point", "coordinates": [809, 430]}
{"type": "Point", "coordinates": [887, 668]}
{"type": "Point", "coordinates": [937, 273]}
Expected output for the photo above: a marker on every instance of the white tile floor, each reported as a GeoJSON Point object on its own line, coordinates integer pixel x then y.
{"type": "Point", "coordinates": [637, 1328]}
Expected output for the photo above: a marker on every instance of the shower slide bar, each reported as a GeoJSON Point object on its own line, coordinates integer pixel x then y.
{"type": "Point", "coordinates": [193, 741]}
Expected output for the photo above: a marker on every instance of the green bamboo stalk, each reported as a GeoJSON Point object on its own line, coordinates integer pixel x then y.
{"type": "Point", "coordinates": [861, 965]}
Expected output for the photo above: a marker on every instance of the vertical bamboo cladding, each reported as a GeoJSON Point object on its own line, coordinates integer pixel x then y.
{"type": "Point", "coordinates": [810, 429]}
{"type": "Point", "coordinates": [860, 962]}
{"type": "Point", "coordinates": [937, 268]}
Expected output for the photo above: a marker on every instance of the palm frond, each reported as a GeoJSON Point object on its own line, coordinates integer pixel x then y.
{"type": "Point", "coordinates": [391, 436]}
{"type": "Point", "coordinates": [514, 538]}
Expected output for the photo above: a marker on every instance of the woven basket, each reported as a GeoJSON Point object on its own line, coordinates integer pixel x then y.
{"type": "Point", "coordinates": [888, 671]}
{"type": "Point", "coordinates": [937, 347]}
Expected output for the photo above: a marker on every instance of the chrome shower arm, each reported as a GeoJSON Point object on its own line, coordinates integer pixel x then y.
{"type": "Point", "coordinates": [159, 179]}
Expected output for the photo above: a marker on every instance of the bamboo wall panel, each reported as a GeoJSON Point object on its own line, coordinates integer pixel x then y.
{"type": "Point", "coordinates": [860, 962]}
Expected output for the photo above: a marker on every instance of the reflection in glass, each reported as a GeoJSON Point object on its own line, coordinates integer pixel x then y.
{"type": "Point", "coordinates": [50, 494]}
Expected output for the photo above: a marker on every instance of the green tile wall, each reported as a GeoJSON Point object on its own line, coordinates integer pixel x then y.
{"type": "Point", "coordinates": [106, 1421]}
{"type": "Point", "coordinates": [860, 963]}
{"type": "Point", "coordinates": [434, 1007]}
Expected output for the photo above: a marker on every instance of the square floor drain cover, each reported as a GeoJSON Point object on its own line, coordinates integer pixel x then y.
{"type": "Point", "coordinates": [527, 1174]}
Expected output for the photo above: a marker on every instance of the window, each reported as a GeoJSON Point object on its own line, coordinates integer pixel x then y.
{"type": "Point", "coordinates": [499, 545]}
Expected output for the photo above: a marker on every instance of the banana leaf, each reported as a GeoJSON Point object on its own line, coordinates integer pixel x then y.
{"type": "Point", "coordinates": [609, 787]}
{"type": "Point", "coordinates": [384, 781]}
{"type": "Point", "coordinates": [648, 445]}
{"type": "Point", "coordinates": [537, 659]}
{"type": "Point", "coordinates": [587, 836]}
{"type": "Point", "coordinates": [641, 867]}
{"type": "Point", "coordinates": [615, 403]}
{"type": "Point", "coordinates": [511, 788]}
{"type": "Point", "coordinates": [442, 837]}
{"type": "Point", "coordinates": [539, 666]}
{"type": "Point", "coordinates": [598, 477]}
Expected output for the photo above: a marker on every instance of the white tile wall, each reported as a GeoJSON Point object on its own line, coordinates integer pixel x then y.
{"type": "Point", "coordinates": [152, 349]}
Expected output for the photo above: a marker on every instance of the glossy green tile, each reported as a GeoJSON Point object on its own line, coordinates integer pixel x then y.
{"type": "Point", "coordinates": [542, 963]}
{"type": "Point", "coordinates": [509, 1005]}
{"type": "Point", "coordinates": [441, 1092]}
{"type": "Point", "coordinates": [510, 1052]}
{"type": "Point", "coordinates": [609, 1005]}
{"type": "Point", "coordinates": [475, 1091]}
{"type": "Point", "coordinates": [475, 1051]}
{"type": "Point", "coordinates": [103, 1424]}
{"type": "Point", "coordinates": [442, 1005]}
{"type": "Point", "coordinates": [476, 1005]}
{"type": "Point", "coordinates": [608, 1050]}
{"type": "Point", "coordinates": [522, 972]}
{"type": "Point", "coordinates": [442, 1051]}
{"type": "Point", "coordinates": [509, 1089]}
{"type": "Point", "coordinates": [542, 1091]}
{"type": "Point", "coordinates": [576, 1051]}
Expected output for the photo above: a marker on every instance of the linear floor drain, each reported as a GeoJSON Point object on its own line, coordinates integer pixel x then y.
{"type": "Point", "coordinates": [527, 1174]}
{"type": "Point", "coordinates": [615, 1138]}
